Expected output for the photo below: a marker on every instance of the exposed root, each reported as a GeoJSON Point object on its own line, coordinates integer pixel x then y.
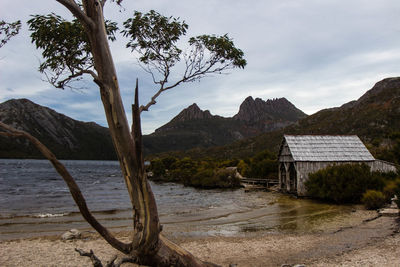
{"type": "Point", "coordinates": [96, 262]}
{"type": "Point", "coordinates": [114, 262]}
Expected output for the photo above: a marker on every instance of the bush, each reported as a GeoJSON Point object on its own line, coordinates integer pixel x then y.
{"type": "Point", "coordinates": [209, 178]}
{"type": "Point", "coordinates": [389, 190]}
{"type": "Point", "coordinates": [158, 168]}
{"type": "Point", "coordinates": [262, 165]}
{"type": "Point", "coordinates": [343, 183]}
{"type": "Point", "coordinates": [373, 199]}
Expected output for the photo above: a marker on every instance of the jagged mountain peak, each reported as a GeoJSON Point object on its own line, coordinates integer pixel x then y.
{"type": "Point", "coordinates": [193, 112]}
{"type": "Point", "coordinates": [252, 110]}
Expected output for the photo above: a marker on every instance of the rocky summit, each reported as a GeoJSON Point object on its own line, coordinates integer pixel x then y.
{"type": "Point", "coordinates": [268, 115]}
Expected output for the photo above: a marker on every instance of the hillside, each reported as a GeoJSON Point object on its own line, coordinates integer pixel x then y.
{"type": "Point", "coordinates": [374, 117]}
{"type": "Point", "coordinates": [195, 128]}
{"type": "Point", "coordinates": [67, 138]}
{"type": "Point", "coordinates": [191, 128]}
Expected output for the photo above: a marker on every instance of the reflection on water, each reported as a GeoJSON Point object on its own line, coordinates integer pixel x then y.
{"type": "Point", "coordinates": [34, 201]}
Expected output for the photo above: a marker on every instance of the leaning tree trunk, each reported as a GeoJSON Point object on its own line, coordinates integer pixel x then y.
{"type": "Point", "coordinates": [148, 246]}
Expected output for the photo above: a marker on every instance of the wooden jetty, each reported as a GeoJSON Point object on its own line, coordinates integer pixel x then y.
{"type": "Point", "coordinates": [258, 183]}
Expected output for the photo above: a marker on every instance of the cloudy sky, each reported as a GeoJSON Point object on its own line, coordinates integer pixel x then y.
{"type": "Point", "coordinates": [316, 53]}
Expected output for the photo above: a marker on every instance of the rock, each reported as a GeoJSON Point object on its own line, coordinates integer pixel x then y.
{"type": "Point", "coordinates": [71, 234]}
{"type": "Point", "coordinates": [273, 111]}
{"type": "Point", "coordinates": [192, 112]}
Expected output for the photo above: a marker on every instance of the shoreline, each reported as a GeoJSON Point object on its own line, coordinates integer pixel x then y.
{"type": "Point", "coordinates": [372, 241]}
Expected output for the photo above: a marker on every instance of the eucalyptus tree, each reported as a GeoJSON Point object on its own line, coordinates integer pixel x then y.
{"type": "Point", "coordinates": [73, 49]}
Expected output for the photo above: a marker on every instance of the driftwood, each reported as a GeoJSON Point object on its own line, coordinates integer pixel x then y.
{"type": "Point", "coordinates": [114, 262]}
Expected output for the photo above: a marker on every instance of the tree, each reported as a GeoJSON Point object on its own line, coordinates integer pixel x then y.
{"type": "Point", "coordinates": [80, 47]}
{"type": "Point", "coordinates": [8, 30]}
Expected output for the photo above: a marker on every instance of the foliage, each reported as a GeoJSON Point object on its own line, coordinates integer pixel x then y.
{"type": "Point", "coordinates": [262, 165]}
{"type": "Point", "coordinates": [389, 190]}
{"type": "Point", "coordinates": [373, 199]}
{"type": "Point", "coordinates": [343, 183]}
{"type": "Point", "coordinates": [65, 46]}
{"type": "Point", "coordinates": [154, 37]}
{"type": "Point", "coordinates": [221, 48]}
{"type": "Point", "coordinates": [67, 51]}
{"type": "Point", "coordinates": [8, 30]}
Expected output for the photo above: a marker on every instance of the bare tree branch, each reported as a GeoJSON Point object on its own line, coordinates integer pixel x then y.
{"type": "Point", "coordinates": [73, 187]}
{"type": "Point", "coordinates": [72, 6]}
{"type": "Point", "coordinates": [96, 262]}
{"type": "Point", "coordinates": [61, 84]}
{"type": "Point", "coordinates": [189, 76]}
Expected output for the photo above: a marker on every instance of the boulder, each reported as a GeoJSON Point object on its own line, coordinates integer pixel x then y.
{"type": "Point", "coordinates": [71, 234]}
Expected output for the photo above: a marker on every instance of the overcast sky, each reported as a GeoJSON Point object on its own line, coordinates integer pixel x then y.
{"type": "Point", "coordinates": [316, 53]}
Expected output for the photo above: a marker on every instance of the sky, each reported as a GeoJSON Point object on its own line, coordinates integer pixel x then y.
{"type": "Point", "coordinates": [316, 53]}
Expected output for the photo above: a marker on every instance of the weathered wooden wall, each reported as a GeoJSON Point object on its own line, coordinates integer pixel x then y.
{"type": "Point", "coordinates": [382, 166]}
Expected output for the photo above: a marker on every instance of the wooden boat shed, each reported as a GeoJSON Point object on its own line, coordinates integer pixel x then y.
{"type": "Point", "coordinates": [300, 155]}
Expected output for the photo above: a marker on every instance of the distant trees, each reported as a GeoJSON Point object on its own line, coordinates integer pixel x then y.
{"type": "Point", "coordinates": [73, 49]}
{"type": "Point", "coordinates": [262, 165]}
{"type": "Point", "coordinates": [206, 173]}
{"type": "Point", "coordinates": [387, 148]}
{"type": "Point", "coordinates": [213, 173]}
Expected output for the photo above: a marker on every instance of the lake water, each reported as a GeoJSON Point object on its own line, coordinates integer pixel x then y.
{"type": "Point", "coordinates": [35, 201]}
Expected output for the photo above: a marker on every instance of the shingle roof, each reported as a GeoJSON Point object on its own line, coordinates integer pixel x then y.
{"type": "Point", "coordinates": [327, 148]}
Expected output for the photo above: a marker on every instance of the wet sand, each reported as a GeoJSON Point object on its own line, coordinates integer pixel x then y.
{"type": "Point", "coordinates": [362, 240]}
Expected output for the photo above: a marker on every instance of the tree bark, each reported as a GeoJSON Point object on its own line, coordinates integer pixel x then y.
{"type": "Point", "coordinates": [147, 246]}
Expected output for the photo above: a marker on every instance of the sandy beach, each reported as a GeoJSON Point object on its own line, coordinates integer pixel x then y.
{"type": "Point", "coordinates": [365, 240]}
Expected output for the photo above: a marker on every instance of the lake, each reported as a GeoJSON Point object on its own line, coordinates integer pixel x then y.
{"type": "Point", "coordinates": [35, 201]}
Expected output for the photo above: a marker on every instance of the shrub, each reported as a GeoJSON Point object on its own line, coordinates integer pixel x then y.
{"type": "Point", "coordinates": [158, 168]}
{"type": "Point", "coordinates": [227, 178]}
{"type": "Point", "coordinates": [209, 178]}
{"type": "Point", "coordinates": [344, 183]}
{"type": "Point", "coordinates": [243, 168]}
{"type": "Point", "coordinates": [373, 199]}
{"type": "Point", "coordinates": [389, 190]}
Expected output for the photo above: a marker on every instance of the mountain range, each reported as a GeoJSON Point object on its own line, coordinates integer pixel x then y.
{"type": "Point", "coordinates": [258, 125]}
{"type": "Point", "coordinates": [195, 128]}
{"type": "Point", "coordinates": [374, 117]}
